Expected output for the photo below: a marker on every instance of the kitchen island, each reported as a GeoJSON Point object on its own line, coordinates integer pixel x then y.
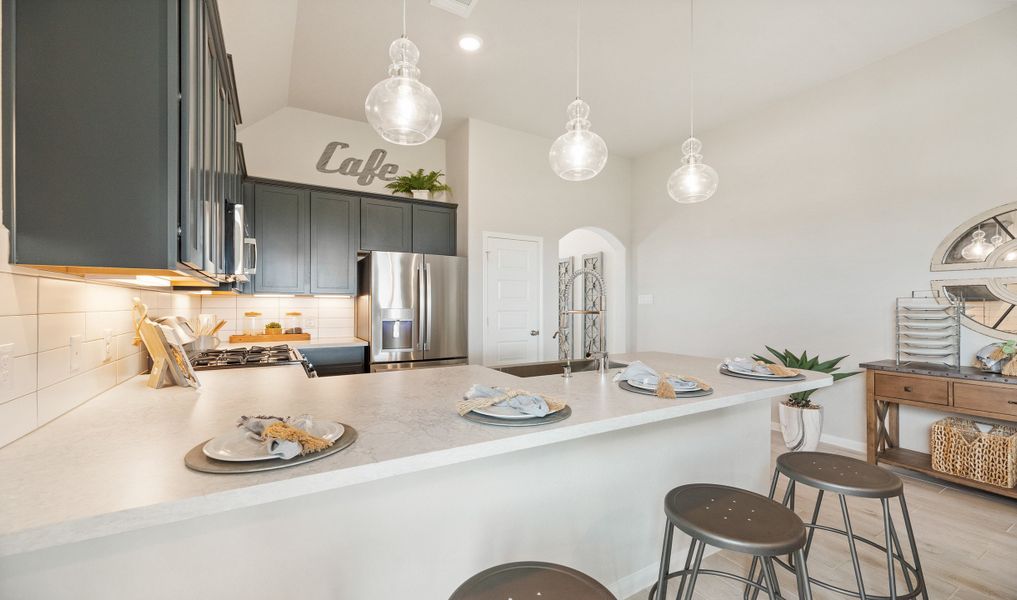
{"type": "Point", "coordinates": [98, 503]}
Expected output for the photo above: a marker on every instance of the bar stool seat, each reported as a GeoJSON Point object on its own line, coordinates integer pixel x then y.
{"type": "Point", "coordinates": [839, 474]}
{"type": "Point", "coordinates": [531, 581]}
{"type": "Point", "coordinates": [734, 519]}
{"type": "Point", "coordinates": [731, 519]}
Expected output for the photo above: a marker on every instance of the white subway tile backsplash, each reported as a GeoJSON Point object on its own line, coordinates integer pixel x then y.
{"type": "Point", "coordinates": [255, 303]}
{"type": "Point", "coordinates": [23, 373]}
{"type": "Point", "coordinates": [62, 397]}
{"type": "Point", "coordinates": [39, 314]}
{"type": "Point", "coordinates": [323, 316]}
{"type": "Point", "coordinates": [22, 331]}
{"type": "Point", "coordinates": [55, 330]}
{"type": "Point", "coordinates": [19, 294]}
{"type": "Point", "coordinates": [17, 417]}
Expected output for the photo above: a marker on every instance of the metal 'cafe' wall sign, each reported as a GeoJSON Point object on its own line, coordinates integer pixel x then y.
{"type": "Point", "coordinates": [366, 172]}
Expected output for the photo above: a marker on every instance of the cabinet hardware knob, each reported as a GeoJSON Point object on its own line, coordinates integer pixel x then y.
{"type": "Point", "coordinates": [907, 388]}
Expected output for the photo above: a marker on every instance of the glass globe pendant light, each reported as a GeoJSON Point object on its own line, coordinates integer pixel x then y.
{"type": "Point", "coordinates": [978, 248]}
{"type": "Point", "coordinates": [579, 153]}
{"type": "Point", "coordinates": [695, 180]}
{"type": "Point", "coordinates": [401, 109]}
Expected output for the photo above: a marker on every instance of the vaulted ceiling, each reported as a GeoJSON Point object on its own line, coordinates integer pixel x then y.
{"type": "Point", "coordinates": [324, 55]}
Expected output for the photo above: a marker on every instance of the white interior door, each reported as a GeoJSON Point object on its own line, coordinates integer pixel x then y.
{"type": "Point", "coordinates": [512, 296]}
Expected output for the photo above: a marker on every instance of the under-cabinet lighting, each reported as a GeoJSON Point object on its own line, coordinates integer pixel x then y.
{"type": "Point", "coordinates": [273, 295]}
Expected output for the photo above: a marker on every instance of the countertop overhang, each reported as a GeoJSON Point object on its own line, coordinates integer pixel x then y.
{"type": "Point", "coordinates": [115, 464]}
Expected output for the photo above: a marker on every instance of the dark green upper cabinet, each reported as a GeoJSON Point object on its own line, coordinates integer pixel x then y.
{"type": "Point", "coordinates": [335, 219]}
{"type": "Point", "coordinates": [434, 229]}
{"type": "Point", "coordinates": [122, 117]}
{"type": "Point", "coordinates": [282, 224]}
{"type": "Point", "coordinates": [386, 225]}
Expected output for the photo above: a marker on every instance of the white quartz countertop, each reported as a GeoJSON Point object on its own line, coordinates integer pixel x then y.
{"type": "Point", "coordinates": [115, 464]}
{"type": "Point", "coordinates": [342, 342]}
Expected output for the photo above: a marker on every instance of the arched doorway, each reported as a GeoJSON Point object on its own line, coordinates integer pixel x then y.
{"type": "Point", "coordinates": [597, 249]}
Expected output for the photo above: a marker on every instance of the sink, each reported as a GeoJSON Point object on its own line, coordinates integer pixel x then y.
{"type": "Point", "coordinates": [555, 367]}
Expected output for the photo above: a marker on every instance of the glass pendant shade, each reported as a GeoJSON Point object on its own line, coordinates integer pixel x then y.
{"type": "Point", "coordinates": [401, 109]}
{"type": "Point", "coordinates": [579, 154]}
{"type": "Point", "coordinates": [694, 181]}
{"type": "Point", "coordinates": [978, 249]}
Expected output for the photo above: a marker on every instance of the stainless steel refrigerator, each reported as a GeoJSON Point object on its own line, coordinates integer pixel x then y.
{"type": "Point", "coordinates": [411, 308]}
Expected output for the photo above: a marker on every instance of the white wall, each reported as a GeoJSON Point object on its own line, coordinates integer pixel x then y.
{"type": "Point", "coordinates": [288, 144]}
{"type": "Point", "coordinates": [830, 206]}
{"type": "Point", "coordinates": [577, 243]}
{"type": "Point", "coordinates": [512, 189]}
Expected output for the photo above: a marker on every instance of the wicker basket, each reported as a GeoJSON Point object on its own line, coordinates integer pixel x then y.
{"type": "Point", "coordinates": [960, 449]}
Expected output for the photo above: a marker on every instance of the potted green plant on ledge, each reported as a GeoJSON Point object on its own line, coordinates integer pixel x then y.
{"type": "Point", "coordinates": [420, 185]}
{"type": "Point", "coordinates": [801, 421]}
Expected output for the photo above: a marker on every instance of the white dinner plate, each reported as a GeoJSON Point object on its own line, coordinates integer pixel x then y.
{"type": "Point", "coordinates": [650, 383]}
{"type": "Point", "coordinates": [504, 412]}
{"type": "Point", "coordinates": [240, 445]}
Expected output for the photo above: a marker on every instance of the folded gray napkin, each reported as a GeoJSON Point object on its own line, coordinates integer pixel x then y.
{"type": "Point", "coordinates": [529, 404]}
{"type": "Point", "coordinates": [283, 449]}
{"type": "Point", "coordinates": [746, 365]}
{"type": "Point", "coordinates": [641, 372]}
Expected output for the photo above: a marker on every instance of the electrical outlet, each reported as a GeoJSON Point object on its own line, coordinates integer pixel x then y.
{"type": "Point", "coordinates": [107, 340]}
{"type": "Point", "coordinates": [646, 298]}
{"type": "Point", "coordinates": [75, 353]}
{"type": "Point", "coordinates": [6, 358]}
{"type": "Point", "coordinates": [310, 323]}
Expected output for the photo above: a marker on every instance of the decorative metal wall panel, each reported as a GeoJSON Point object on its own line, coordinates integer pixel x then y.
{"type": "Point", "coordinates": [591, 301]}
{"type": "Point", "coordinates": [565, 270]}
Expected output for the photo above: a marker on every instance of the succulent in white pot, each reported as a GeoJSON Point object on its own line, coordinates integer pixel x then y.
{"type": "Point", "coordinates": [801, 420]}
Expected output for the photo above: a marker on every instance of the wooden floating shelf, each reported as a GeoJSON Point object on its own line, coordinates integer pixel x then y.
{"type": "Point", "coordinates": [922, 462]}
{"type": "Point", "coordinates": [281, 337]}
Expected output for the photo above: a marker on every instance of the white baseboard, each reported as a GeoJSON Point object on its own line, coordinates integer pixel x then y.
{"type": "Point", "coordinates": [647, 576]}
{"type": "Point", "coordinates": [833, 440]}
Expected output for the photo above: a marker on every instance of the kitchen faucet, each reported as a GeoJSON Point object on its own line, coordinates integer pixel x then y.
{"type": "Point", "coordinates": [564, 324]}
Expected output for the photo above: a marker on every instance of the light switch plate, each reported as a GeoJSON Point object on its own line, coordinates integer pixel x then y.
{"type": "Point", "coordinates": [75, 353]}
{"type": "Point", "coordinates": [6, 358]}
{"type": "Point", "coordinates": [310, 323]}
{"type": "Point", "coordinates": [646, 298]}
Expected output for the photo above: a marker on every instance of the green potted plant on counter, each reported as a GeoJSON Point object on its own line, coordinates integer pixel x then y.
{"type": "Point", "coordinates": [273, 328]}
{"type": "Point", "coordinates": [801, 421]}
{"type": "Point", "coordinates": [420, 185]}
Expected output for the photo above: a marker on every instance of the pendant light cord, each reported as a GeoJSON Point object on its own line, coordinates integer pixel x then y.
{"type": "Point", "coordinates": [692, 69]}
{"type": "Point", "coordinates": [579, 12]}
{"type": "Point", "coordinates": [404, 18]}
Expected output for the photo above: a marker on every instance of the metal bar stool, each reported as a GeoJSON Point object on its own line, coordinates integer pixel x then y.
{"type": "Point", "coordinates": [732, 519]}
{"type": "Point", "coordinates": [846, 476]}
{"type": "Point", "coordinates": [529, 581]}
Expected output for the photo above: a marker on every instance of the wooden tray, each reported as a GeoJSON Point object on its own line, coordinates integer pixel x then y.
{"type": "Point", "coordinates": [282, 337]}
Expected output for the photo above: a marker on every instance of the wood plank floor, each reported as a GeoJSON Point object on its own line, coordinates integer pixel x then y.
{"type": "Point", "coordinates": [967, 543]}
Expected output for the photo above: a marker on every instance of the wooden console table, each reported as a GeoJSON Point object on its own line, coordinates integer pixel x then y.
{"type": "Point", "coordinates": [964, 390]}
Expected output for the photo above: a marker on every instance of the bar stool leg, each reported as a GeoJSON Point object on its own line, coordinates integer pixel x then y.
{"type": "Point", "coordinates": [815, 519]}
{"type": "Point", "coordinates": [665, 561]}
{"type": "Point", "coordinates": [851, 544]}
{"type": "Point", "coordinates": [771, 578]}
{"type": "Point", "coordinates": [891, 566]}
{"type": "Point", "coordinates": [695, 571]}
{"type": "Point", "coordinates": [914, 547]}
{"type": "Point", "coordinates": [688, 564]}
{"type": "Point", "coordinates": [802, 575]}
{"type": "Point", "coordinates": [900, 555]}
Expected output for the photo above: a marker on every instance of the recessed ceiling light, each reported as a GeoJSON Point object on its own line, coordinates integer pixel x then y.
{"type": "Point", "coordinates": [470, 42]}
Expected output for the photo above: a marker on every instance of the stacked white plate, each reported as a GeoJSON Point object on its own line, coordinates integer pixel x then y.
{"type": "Point", "coordinates": [752, 374]}
{"type": "Point", "coordinates": [241, 445]}
{"type": "Point", "coordinates": [507, 413]}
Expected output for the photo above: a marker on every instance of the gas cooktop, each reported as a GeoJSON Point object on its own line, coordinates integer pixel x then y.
{"type": "Point", "coordinates": [255, 356]}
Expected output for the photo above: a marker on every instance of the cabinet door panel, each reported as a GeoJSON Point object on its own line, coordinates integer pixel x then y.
{"type": "Point", "coordinates": [335, 219]}
{"type": "Point", "coordinates": [282, 222]}
{"type": "Point", "coordinates": [386, 225]}
{"type": "Point", "coordinates": [434, 230]}
{"type": "Point", "coordinates": [192, 223]}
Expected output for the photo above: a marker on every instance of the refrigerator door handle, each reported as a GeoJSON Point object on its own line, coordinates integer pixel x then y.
{"type": "Point", "coordinates": [427, 303]}
{"type": "Point", "coordinates": [422, 316]}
